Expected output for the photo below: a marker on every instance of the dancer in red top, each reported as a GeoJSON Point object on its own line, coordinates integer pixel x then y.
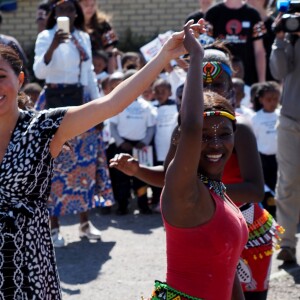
{"type": "Point", "coordinates": [245, 184]}
{"type": "Point", "coordinates": [200, 256]}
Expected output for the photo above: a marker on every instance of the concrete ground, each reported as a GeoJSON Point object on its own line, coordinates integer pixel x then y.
{"type": "Point", "coordinates": [130, 257]}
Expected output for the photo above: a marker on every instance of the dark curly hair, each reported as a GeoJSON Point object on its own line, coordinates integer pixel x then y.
{"type": "Point", "coordinates": [260, 89]}
{"type": "Point", "coordinates": [221, 46]}
{"type": "Point", "coordinates": [9, 55]}
{"type": "Point", "coordinates": [79, 21]}
{"type": "Point", "coordinates": [212, 102]}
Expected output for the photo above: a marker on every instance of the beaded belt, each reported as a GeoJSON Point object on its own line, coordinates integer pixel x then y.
{"type": "Point", "coordinates": [163, 291]}
{"type": "Point", "coordinates": [264, 232]}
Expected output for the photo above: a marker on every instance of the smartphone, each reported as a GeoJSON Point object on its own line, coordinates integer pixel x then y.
{"type": "Point", "coordinates": [63, 23]}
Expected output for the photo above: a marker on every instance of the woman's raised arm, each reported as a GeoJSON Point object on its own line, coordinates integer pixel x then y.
{"type": "Point", "coordinates": [81, 118]}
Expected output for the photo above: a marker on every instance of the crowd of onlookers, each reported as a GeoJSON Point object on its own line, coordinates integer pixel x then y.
{"type": "Point", "coordinates": [264, 62]}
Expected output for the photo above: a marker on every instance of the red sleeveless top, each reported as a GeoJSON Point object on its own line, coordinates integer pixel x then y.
{"type": "Point", "coordinates": [202, 261]}
{"type": "Point", "coordinates": [232, 172]}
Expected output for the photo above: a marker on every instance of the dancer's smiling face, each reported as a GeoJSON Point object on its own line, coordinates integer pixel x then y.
{"type": "Point", "coordinates": [217, 145]}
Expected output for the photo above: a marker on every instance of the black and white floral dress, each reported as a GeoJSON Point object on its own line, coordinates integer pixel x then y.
{"type": "Point", "coordinates": [27, 262]}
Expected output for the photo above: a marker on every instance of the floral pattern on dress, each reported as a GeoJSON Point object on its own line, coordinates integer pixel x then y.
{"type": "Point", "coordinates": [81, 178]}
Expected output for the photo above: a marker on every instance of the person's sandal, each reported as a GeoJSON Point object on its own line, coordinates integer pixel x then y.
{"type": "Point", "coordinates": [57, 238]}
{"type": "Point", "coordinates": [87, 230]}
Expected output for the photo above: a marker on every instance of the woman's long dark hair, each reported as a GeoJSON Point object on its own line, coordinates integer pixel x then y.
{"type": "Point", "coordinates": [8, 54]}
{"type": "Point", "coordinates": [100, 20]}
{"type": "Point", "coordinates": [98, 25]}
{"type": "Point", "coordinates": [79, 20]}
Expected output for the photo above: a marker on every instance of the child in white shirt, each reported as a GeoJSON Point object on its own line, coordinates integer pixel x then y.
{"type": "Point", "coordinates": [239, 89]}
{"type": "Point", "coordinates": [134, 127]}
{"type": "Point", "coordinates": [166, 121]}
{"type": "Point", "coordinates": [264, 127]}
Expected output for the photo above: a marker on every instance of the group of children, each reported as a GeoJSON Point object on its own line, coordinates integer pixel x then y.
{"type": "Point", "coordinates": [144, 126]}
{"type": "Point", "coordinates": [262, 115]}
{"type": "Point", "coordinates": [242, 176]}
{"type": "Point", "coordinates": [258, 103]}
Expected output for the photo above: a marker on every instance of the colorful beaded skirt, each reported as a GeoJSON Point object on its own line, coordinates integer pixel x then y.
{"type": "Point", "coordinates": [263, 230]}
{"type": "Point", "coordinates": [163, 291]}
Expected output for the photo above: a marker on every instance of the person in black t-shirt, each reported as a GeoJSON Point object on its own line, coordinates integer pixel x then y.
{"type": "Point", "coordinates": [266, 13]}
{"type": "Point", "coordinates": [241, 27]}
{"type": "Point", "coordinates": [204, 5]}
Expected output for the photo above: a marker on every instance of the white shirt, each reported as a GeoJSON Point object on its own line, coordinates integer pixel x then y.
{"type": "Point", "coordinates": [64, 64]}
{"type": "Point", "coordinates": [176, 78]}
{"type": "Point", "coordinates": [246, 101]}
{"type": "Point", "coordinates": [133, 121]}
{"type": "Point", "coordinates": [247, 112]}
{"type": "Point", "coordinates": [166, 121]}
{"type": "Point", "coordinates": [264, 128]}
{"type": "Point", "coordinates": [106, 134]}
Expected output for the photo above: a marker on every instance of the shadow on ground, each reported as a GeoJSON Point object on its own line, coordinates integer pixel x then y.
{"type": "Point", "coordinates": [293, 269]}
{"type": "Point", "coordinates": [80, 262]}
{"type": "Point", "coordinates": [130, 222]}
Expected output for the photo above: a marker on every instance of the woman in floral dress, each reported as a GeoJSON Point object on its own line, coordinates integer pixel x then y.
{"type": "Point", "coordinates": [81, 179]}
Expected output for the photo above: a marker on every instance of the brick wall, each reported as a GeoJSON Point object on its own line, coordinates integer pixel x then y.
{"type": "Point", "coordinates": [143, 17]}
{"type": "Point", "coordinates": [146, 17]}
{"type": "Point", "coordinates": [21, 23]}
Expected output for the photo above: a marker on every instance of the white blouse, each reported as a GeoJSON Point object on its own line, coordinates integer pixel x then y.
{"type": "Point", "coordinates": [64, 65]}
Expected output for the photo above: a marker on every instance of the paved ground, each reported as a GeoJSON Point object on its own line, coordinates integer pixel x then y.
{"type": "Point", "coordinates": [128, 259]}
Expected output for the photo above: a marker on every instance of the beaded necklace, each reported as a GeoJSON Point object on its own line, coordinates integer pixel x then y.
{"type": "Point", "coordinates": [217, 186]}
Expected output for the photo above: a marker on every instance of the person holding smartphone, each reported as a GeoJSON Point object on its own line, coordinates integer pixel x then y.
{"type": "Point", "coordinates": [64, 60]}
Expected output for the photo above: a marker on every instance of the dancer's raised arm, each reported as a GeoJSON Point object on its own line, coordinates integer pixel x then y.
{"type": "Point", "coordinates": [181, 187]}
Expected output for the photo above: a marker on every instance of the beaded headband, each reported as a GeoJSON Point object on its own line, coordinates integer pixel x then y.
{"type": "Point", "coordinates": [222, 113]}
{"type": "Point", "coordinates": [213, 69]}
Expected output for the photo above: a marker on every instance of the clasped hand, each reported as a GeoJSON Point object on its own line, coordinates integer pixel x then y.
{"type": "Point", "coordinates": [192, 32]}
{"type": "Point", "coordinates": [186, 40]}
